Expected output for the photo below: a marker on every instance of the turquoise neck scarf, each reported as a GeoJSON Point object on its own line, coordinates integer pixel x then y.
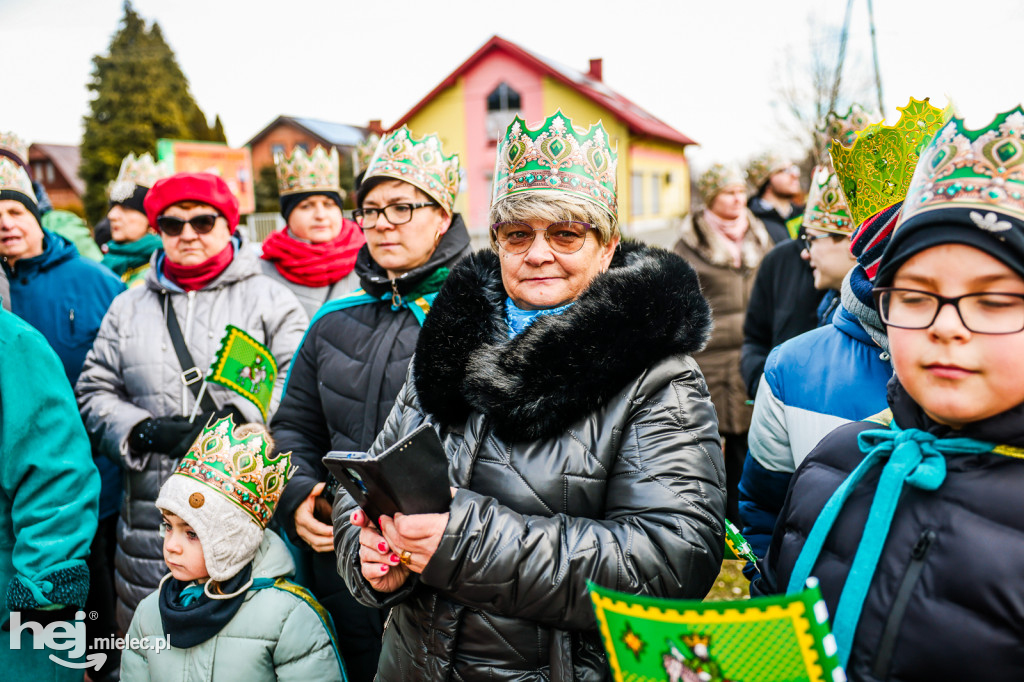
{"type": "Point", "coordinates": [908, 456]}
{"type": "Point", "coordinates": [518, 319]}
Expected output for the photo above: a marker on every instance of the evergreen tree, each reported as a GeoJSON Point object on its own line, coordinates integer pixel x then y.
{"type": "Point", "coordinates": [217, 134]}
{"type": "Point", "coordinates": [140, 96]}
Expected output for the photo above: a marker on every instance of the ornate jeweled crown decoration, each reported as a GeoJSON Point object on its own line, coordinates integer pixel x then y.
{"type": "Point", "coordinates": [875, 172]}
{"type": "Point", "coordinates": [844, 129]}
{"type": "Point", "coordinates": [720, 175]}
{"type": "Point", "coordinates": [975, 169]}
{"type": "Point", "coordinates": [301, 172]}
{"type": "Point", "coordinates": [239, 468]}
{"type": "Point", "coordinates": [826, 207]}
{"type": "Point", "coordinates": [13, 177]}
{"type": "Point", "coordinates": [419, 162]}
{"type": "Point", "coordinates": [136, 171]}
{"type": "Point", "coordinates": [365, 150]}
{"type": "Point", "coordinates": [557, 157]}
{"type": "Point", "coordinates": [763, 166]}
{"type": "Point", "coordinates": [12, 144]}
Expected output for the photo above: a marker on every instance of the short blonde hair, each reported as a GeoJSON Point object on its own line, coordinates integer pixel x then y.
{"type": "Point", "coordinates": [552, 207]}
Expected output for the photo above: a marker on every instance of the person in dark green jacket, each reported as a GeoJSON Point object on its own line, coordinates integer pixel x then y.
{"type": "Point", "coordinates": [49, 500]}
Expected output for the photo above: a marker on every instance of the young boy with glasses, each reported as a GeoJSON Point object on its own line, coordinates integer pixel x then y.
{"type": "Point", "coordinates": [912, 523]}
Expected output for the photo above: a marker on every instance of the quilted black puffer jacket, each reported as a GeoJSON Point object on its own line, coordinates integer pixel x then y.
{"type": "Point", "coordinates": [584, 449]}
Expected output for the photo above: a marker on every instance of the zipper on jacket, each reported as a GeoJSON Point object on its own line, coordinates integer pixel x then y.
{"type": "Point", "coordinates": [887, 645]}
{"type": "Point", "coordinates": [71, 318]}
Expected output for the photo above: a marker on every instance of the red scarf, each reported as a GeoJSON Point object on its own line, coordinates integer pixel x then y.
{"type": "Point", "coordinates": [314, 265]}
{"type": "Point", "coordinates": [195, 277]}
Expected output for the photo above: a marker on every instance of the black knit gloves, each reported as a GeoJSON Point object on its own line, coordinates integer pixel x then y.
{"type": "Point", "coordinates": [173, 436]}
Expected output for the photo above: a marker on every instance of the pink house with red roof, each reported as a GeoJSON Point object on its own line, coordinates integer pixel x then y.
{"type": "Point", "coordinates": [471, 108]}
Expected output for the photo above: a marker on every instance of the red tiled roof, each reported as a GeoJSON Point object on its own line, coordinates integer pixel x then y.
{"type": "Point", "coordinates": [637, 119]}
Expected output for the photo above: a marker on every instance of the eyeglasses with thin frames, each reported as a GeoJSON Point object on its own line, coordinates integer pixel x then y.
{"type": "Point", "coordinates": [807, 239]}
{"type": "Point", "coordinates": [395, 214]}
{"type": "Point", "coordinates": [981, 313]}
{"type": "Point", "coordinates": [173, 227]}
{"type": "Point", "coordinates": [564, 237]}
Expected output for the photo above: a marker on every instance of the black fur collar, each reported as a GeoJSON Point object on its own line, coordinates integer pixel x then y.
{"type": "Point", "coordinates": [648, 306]}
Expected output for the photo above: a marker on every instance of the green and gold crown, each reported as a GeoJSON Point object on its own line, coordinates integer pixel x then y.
{"type": "Point", "coordinates": [13, 177]}
{"type": "Point", "coordinates": [557, 157]}
{"type": "Point", "coordinates": [365, 150]}
{"type": "Point", "coordinates": [844, 129]}
{"type": "Point", "coordinates": [718, 177]}
{"type": "Point", "coordinates": [763, 166]}
{"type": "Point", "coordinates": [875, 172]}
{"type": "Point", "coordinates": [826, 207]}
{"type": "Point", "coordinates": [240, 468]}
{"type": "Point", "coordinates": [978, 169]}
{"type": "Point", "coordinates": [302, 172]}
{"type": "Point", "coordinates": [421, 163]}
{"type": "Point", "coordinates": [12, 144]}
{"type": "Point", "coordinates": [136, 171]}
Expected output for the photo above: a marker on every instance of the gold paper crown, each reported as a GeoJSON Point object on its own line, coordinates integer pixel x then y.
{"type": "Point", "coordinates": [719, 176]}
{"type": "Point", "coordinates": [826, 207]}
{"type": "Point", "coordinates": [557, 157]}
{"type": "Point", "coordinates": [875, 172]}
{"type": "Point", "coordinates": [300, 172]}
{"type": "Point", "coordinates": [973, 169]}
{"type": "Point", "coordinates": [240, 468]}
{"type": "Point", "coordinates": [693, 639]}
{"type": "Point", "coordinates": [365, 150]}
{"type": "Point", "coordinates": [136, 171]}
{"type": "Point", "coordinates": [14, 178]}
{"type": "Point", "coordinates": [844, 129]}
{"type": "Point", "coordinates": [421, 163]}
{"type": "Point", "coordinates": [15, 145]}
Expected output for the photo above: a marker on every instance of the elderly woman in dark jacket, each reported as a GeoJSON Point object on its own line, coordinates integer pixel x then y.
{"type": "Point", "coordinates": [581, 440]}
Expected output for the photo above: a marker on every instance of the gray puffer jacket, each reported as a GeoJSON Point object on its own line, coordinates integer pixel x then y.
{"type": "Point", "coordinates": [132, 373]}
{"type": "Point", "coordinates": [586, 448]}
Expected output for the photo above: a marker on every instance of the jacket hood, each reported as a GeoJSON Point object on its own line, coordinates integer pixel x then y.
{"type": "Point", "coordinates": [849, 324]}
{"type": "Point", "coordinates": [697, 236]}
{"type": "Point", "coordinates": [56, 250]}
{"type": "Point", "coordinates": [646, 307]}
{"type": "Point", "coordinates": [245, 264]}
{"type": "Point", "coordinates": [454, 245]}
{"type": "Point", "coordinates": [272, 560]}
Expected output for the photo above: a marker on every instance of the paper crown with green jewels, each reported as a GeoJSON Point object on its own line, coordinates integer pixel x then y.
{"type": "Point", "coordinates": [365, 150]}
{"type": "Point", "coordinates": [239, 468]}
{"type": "Point", "coordinates": [718, 177]}
{"type": "Point", "coordinates": [972, 169]}
{"type": "Point", "coordinates": [557, 157]}
{"type": "Point", "coordinates": [763, 166]}
{"type": "Point", "coordinates": [302, 172]}
{"type": "Point", "coordinates": [843, 129]}
{"type": "Point", "coordinates": [826, 207]}
{"type": "Point", "coordinates": [875, 172]}
{"type": "Point", "coordinates": [14, 178]}
{"type": "Point", "coordinates": [13, 146]}
{"type": "Point", "coordinates": [421, 163]}
{"type": "Point", "coordinates": [136, 171]}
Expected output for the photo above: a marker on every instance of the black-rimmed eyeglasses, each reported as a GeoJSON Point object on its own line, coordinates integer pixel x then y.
{"type": "Point", "coordinates": [395, 214]}
{"type": "Point", "coordinates": [808, 239]}
{"type": "Point", "coordinates": [564, 237]}
{"type": "Point", "coordinates": [984, 313]}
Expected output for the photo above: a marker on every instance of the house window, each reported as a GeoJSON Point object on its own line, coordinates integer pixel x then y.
{"type": "Point", "coordinates": [304, 146]}
{"type": "Point", "coordinates": [655, 193]}
{"type": "Point", "coordinates": [636, 194]}
{"type": "Point", "coordinates": [502, 105]}
{"type": "Point", "coordinates": [49, 173]}
{"type": "Point", "coordinates": [277, 149]}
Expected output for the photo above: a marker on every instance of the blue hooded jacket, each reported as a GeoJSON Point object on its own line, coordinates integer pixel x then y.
{"type": "Point", "coordinates": [65, 297]}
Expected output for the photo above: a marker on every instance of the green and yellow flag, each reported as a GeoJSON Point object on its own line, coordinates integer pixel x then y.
{"type": "Point", "coordinates": [736, 546]}
{"type": "Point", "coordinates": [766, 639]}
{"type": "Point", "coordinates": [246, 366]}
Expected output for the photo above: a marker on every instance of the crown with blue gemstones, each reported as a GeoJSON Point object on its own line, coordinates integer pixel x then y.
{"type": "Point", "coordinates": [557, 157]}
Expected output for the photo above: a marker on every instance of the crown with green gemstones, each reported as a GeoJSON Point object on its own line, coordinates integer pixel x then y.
{"type": "Point", "coordinates": [557, 157]}
{"type": "Point", "coordinates": [421, 163]}
{"type": "Point", "coordinates": [136, 171]}
{"type": "Point", "coordinates": [843, 129]}
{"type": "Point", "coordinates": [875, 172]}
{"type": "Point", "coordinates": [12, 144]}
{"type": "Point", "coordinates": [718, 177]}
{"type": "Point", "coordinates": [241, 469]}
{"type": "Point", "coordinates": [302, 172]}
{"type": "Point", "coordinates": [826, 207]}
{"type": "Point", "coordinates": [13, 177]}
{"type": "Point", "coordinates": [977, 169]}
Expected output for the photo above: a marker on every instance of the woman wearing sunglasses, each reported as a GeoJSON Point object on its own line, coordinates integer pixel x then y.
{"type": "Point", "coordinates": [354, 358]}
{"type": "Point", "coordinates": [136, 393]}
{"type": "Point", "coordinates": [556, 369]}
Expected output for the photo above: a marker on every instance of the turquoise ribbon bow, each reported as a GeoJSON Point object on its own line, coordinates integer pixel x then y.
{"type": "Point", "coordinates": [913, 457]}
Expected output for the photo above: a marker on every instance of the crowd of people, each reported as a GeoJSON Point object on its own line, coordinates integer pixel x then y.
{"type": "Point", "coordinates": [839, 378]}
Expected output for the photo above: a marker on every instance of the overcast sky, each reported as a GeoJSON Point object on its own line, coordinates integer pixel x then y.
{"type": "Point", "coordinates": [712, 69]}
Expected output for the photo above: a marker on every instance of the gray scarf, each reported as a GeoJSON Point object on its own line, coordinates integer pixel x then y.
{"type": "Point", "coordinates": [865, 314]}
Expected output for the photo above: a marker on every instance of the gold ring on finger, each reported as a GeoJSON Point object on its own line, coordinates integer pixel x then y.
{"type": "Point", "coordinates": [405, 557]}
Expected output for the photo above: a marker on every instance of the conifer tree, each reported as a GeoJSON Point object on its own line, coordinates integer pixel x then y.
{"type": "Point", "coordinates": [140, 96]}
